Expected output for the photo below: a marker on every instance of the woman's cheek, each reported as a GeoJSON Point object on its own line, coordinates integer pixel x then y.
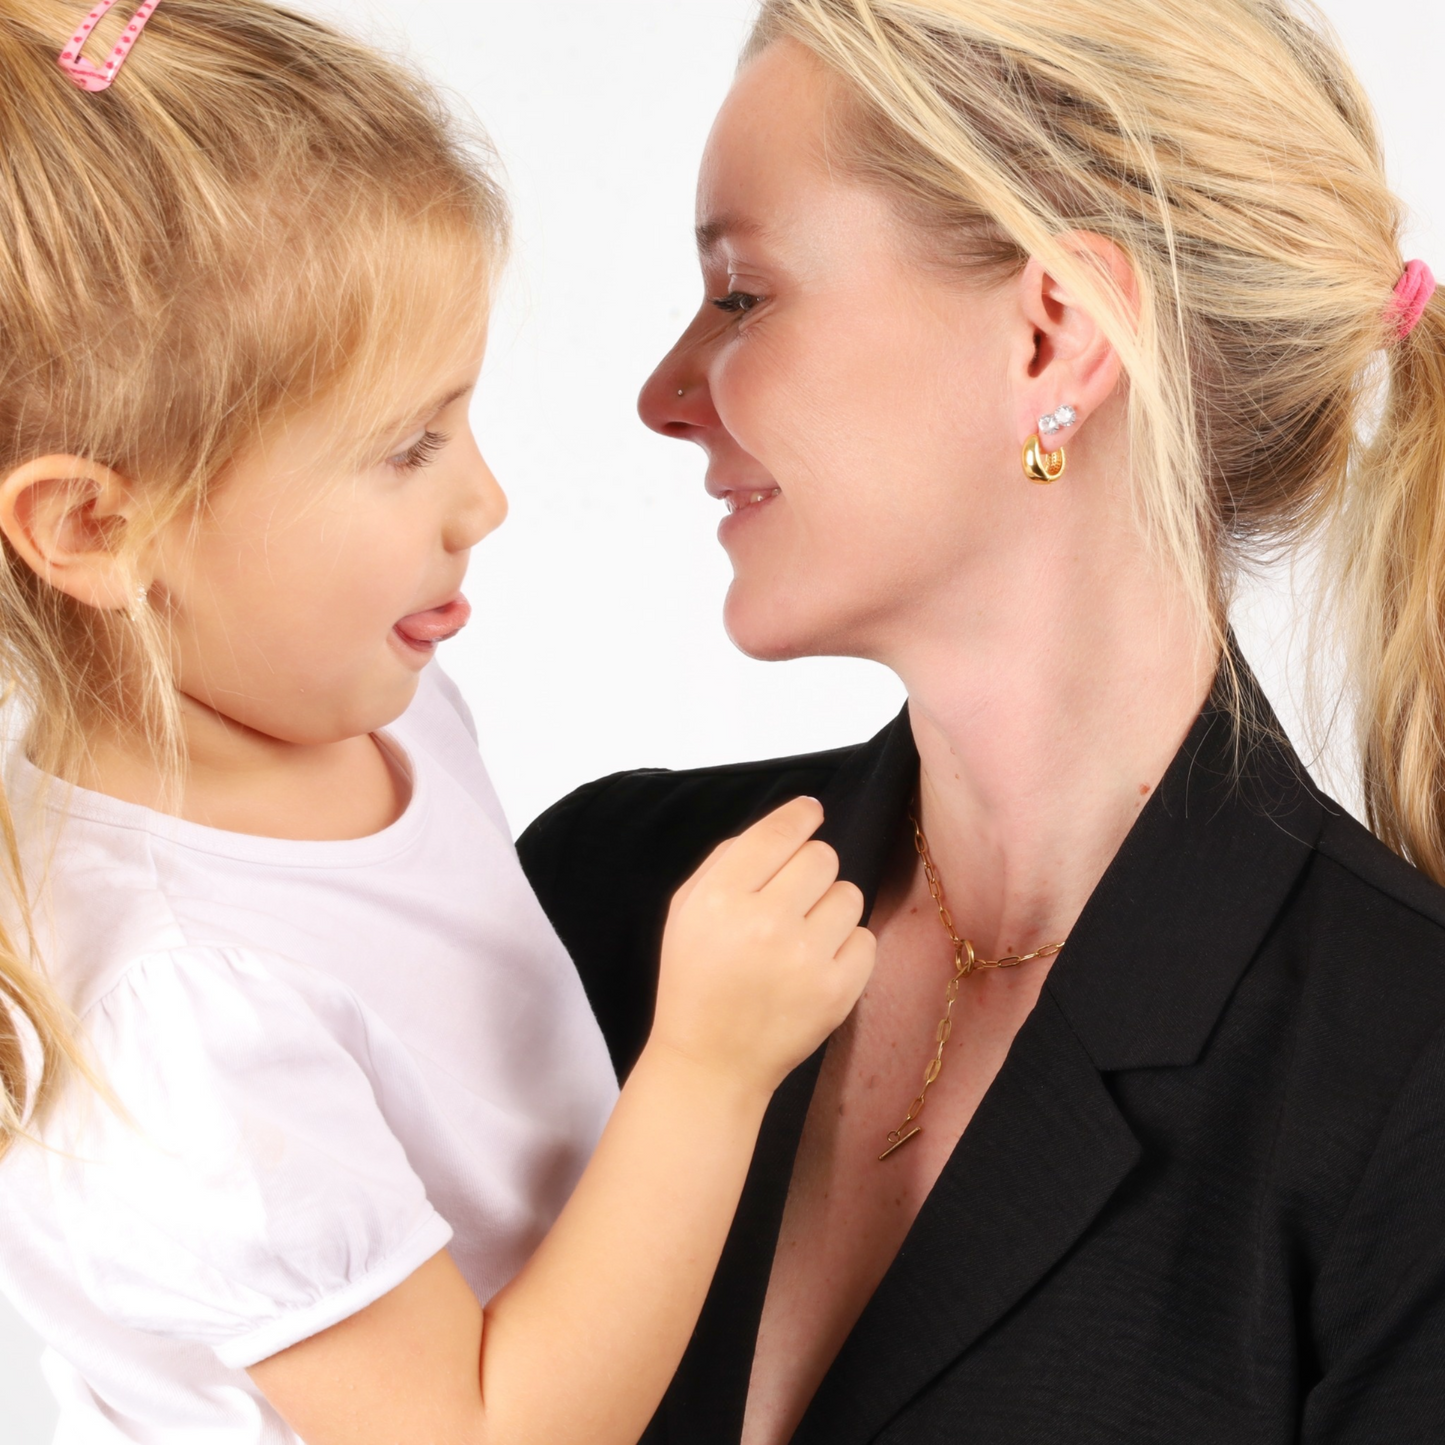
{"type": "Point", "coordinates": [765, 398]}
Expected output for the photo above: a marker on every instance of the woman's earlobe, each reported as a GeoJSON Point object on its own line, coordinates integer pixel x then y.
{"type": "Point", "coordinates": [66, 518]}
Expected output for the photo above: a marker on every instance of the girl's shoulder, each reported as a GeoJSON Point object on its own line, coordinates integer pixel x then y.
{"type": "Point", "coordinates": [113, 883]}
{"type": "Point", "coordinates": [180, 1024]}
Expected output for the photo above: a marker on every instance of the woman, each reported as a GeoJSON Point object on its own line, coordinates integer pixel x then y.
{"type": "Point", "coordinates": [1178, 1169]}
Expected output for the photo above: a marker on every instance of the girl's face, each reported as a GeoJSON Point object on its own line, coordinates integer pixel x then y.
{"type": "Point", "coordinates": [853, 401]}
{"type": "Point", "coordinates": [308, 596]}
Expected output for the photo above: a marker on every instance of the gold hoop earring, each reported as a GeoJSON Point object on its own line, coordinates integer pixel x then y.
{"type": "Point", "coordinates": [1041, 466]}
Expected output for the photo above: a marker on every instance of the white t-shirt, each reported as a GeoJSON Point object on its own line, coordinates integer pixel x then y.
{"type": "Point", "coordinates": [337, 1059]}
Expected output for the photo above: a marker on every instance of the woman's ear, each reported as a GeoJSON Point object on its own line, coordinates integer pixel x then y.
{"type": "Point", "coordinates": [66, 517]}
{"type": "Point", "coordinates": [1070, 361]}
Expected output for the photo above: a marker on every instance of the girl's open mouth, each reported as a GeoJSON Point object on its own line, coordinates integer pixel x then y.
{"type": "Point", "coordinates": [423, 630]}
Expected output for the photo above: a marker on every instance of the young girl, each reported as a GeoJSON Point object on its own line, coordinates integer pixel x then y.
{"type": "Point", "coordinates": [297, 1080]}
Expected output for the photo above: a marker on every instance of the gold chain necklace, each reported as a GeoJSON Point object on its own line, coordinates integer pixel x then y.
{"type": "Point", "coordinates": [965, 962]}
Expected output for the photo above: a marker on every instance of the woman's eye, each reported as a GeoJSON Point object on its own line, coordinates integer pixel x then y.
{"type": "Point", "coordinates": [737, 301]}
{"type": "Point", "coordinates": [421, 453]}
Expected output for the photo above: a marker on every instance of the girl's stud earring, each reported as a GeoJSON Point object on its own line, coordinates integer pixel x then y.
{"type": "Point", "coordinates": [1041, 466]}
{"type": "Point", "coordinates": [682, 391]}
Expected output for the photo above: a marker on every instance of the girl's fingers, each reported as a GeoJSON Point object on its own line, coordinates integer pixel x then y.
{"type": "Point", "coordinates": [835, 916]}
{"type": "Point", "coordinates": [856, 959]}
{"type": "Point", "coordinates": [703, 869]}
{"type": "Point", "coordinates": [759, 854]}
{"type": "Point", "coordinates": [802, 881]}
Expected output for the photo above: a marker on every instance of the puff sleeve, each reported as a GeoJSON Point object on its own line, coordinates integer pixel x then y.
{"type": "Point", "coordinates": [243, 1191]}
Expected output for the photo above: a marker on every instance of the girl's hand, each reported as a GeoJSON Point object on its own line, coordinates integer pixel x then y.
{"type": "Point", "coordinates": [763, 956]}
{"type": "Point", "coordinates": [762, 960]}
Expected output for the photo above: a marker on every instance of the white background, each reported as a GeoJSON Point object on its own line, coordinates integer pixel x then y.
{"type": "Point", "coordinates": [597, 643]}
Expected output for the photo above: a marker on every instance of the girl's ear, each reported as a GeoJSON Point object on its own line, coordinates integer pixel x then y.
{"type": "Point", "coordinates": [66, 517]}
{"type": "Point", "coordinates": [1066, 359]}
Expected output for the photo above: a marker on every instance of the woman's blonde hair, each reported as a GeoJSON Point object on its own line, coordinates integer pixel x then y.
{"type": "Point", "coordinates": [259, 215]}
{"type": "Point", "coordinates": [1226, 147]}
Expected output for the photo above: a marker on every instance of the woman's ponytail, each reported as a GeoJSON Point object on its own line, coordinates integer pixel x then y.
{"type": "Point", "coordinates": [1390, 551]}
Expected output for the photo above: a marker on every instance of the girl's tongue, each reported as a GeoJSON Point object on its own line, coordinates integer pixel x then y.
{"type": "Point", "coordinates": [426, 629]}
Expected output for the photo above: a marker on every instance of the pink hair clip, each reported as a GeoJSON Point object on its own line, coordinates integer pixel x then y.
{"type": "Point", "coordinates": [86, 73]}
{"type": "Point", "coordinates": [1411, 297]}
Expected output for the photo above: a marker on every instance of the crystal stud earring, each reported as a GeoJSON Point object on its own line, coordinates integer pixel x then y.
{"type": "Point", "coordinates": [1057, 421]}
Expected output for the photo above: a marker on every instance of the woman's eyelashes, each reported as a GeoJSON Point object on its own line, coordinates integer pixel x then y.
{"type": "Point", "coordinates": [738, 301]}
{"type": "Point", "coordinates": [420, 453]}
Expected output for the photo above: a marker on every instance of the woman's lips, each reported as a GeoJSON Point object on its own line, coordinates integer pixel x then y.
{"type": "Point", "coordinates": [744, 507]}
{"type": "Point", "coordinates": [423, 630]}
{"type": "Point", "coordinates": [741, 501]}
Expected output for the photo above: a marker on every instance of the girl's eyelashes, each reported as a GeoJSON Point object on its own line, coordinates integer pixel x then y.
{"type": "Point", "coordinates": [737, 301]}
{"type": "Point", "coordinates": [421, 453]}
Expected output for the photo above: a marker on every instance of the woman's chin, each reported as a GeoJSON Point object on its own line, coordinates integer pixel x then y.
{"type": "Point", "coordinates": [766, 627]}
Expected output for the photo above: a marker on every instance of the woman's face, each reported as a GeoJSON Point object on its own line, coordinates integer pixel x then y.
{"type": "Point", "coordinates": [856, 403]}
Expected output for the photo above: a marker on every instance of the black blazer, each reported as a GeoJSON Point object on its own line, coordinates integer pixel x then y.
{"type": "Point", "coordinates": [1204, 1200]}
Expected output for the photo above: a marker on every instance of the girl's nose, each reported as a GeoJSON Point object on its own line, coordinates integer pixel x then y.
{"type": "Point", "coordinates": [483, 510]}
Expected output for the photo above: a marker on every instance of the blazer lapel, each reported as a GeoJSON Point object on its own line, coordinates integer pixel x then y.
{"type": "Point", "coordinates": [863, 809]}
{"type": "Point", "coordinates": [1042, 1156]}
{"type": "Point", "coordinates": [705, 1403]}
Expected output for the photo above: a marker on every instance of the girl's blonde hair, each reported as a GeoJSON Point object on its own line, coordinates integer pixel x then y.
{"type": "Point", "coordinates": [1226, 147]}
{"type": "Point", "coordinates": [260, 215]}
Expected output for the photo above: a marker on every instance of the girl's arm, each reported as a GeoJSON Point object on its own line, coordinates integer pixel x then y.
{"type": "Point", "coordinates": [762, 959]}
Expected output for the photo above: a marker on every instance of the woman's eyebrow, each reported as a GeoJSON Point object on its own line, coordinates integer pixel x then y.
{"type": "Point", "coordinates": [712, 233]}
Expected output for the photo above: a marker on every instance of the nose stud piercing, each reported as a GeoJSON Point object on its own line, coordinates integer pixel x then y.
{"type": "Point", "coordinates": [1043, 466]}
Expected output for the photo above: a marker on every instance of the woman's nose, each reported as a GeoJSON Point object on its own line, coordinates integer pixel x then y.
{"type": "Point", "coordinates": [676, 400]}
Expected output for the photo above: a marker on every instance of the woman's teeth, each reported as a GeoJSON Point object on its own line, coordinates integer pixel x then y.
{"type": "Point", "coordinates": [737, 501]}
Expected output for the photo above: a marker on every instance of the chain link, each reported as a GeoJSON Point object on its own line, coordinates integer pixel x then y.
{"type": "Point", "coordinates": [965, 962]}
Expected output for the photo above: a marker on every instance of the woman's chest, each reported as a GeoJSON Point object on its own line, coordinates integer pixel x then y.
{"type": "Point", "coordinates": [848, 1209]}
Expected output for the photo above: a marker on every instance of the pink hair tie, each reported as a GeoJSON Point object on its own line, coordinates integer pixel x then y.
{"type": "Point", "coordinates": [1411, 298]}
{"type": "Point", "coordinates": [85, 73]}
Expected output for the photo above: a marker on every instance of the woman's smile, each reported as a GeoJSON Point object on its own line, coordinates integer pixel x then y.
{"type": "Point", "coordinates": [744, 501]}
{"type": "Point", "coordinates": [741, 501]}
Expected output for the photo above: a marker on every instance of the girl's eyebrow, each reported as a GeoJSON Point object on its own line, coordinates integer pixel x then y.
{"type": "Point", "coordinates": [431, 409]}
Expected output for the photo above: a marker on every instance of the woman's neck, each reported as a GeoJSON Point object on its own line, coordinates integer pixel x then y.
{"type": "Point", "coordinates": [1041, 741]}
